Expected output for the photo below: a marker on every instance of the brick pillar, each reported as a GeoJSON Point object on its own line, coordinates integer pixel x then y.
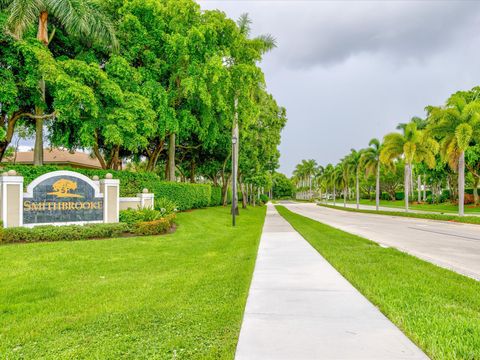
{"type": "Point", "coordinates": [111, 198]}
{"type": "Point", "coordinates": [11, 194]}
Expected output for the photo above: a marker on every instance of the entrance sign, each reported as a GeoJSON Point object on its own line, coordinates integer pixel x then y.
{"type": "Point", "coordinates": [63, 197]}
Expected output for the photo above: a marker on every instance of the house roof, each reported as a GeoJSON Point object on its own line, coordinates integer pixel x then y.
{"type": "Point", "coordinates": [56, 157]}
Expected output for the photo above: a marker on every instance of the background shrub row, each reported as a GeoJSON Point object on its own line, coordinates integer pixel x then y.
{"type": "Point", "coordinates": [186, 196]}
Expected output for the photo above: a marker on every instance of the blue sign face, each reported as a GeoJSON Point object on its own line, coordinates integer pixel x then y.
{"type": "Point", "coordinates": [62, 199]}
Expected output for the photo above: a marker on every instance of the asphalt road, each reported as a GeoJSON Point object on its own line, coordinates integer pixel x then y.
{"type": "Point", "coordinates": [450, 245]}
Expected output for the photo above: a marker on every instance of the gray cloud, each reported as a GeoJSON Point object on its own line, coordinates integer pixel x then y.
{"type": "Point", "coordinates": [349, 71]}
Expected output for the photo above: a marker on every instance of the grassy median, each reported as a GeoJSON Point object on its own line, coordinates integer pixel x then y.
{"type": "Point", "coordinates": [446, 207]}
{"type": "Point", "coordinates": [441, 217]}
{"type": "Point", "coordinates": [174, 296]}
{"type": "Point", "coordinates": [436, 308]}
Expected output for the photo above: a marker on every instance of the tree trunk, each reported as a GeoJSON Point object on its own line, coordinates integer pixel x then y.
{"type": "Point", "coordinates": [419, 186]}
{"type": "Point", "coordinates": [377, 188]}
{"type": "Point", "coordinates": [192, 172]}
{"type": "Point", "coordinates": [38, 147]}
{"type": "Point", "coordinates": [345, 192]}
{"type": "Point", "coordinates": [99, 156]}
{"type": "Point", "coordinates": [476, 182]}
{"type": "Point", "coordinates": [225, 190]}
{"type": "Point", "coordinates": [310, 184]}
{"type": "Point", "coordinates": [244, 196]}
{"type": "Point", "coordinates": [171, 157]}
{"type": "Point", "coordinates": [406, 184]}
{"type": "Point", "coordinates": [42, 35]}
{"type": "Point", "coordinates": [154, 155]}
{"type": "Point", "coordinates": [357, 190]}
{"type": "Point", "coordinates": [42, 31]}
{"type": "Point", "coordinates": [424, 188]}
{"type": "Point", "coordinates": [410, 169]}
{"type": "Point", "coordinates": [10, 124]}
{"type": "Point", "coordinates": [461, 183]}
{"type": "Point", "coordinates": [334, 195]}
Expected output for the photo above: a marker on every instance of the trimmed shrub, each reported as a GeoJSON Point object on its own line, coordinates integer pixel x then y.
{"type": "Point", "coordinates": [132, 216]}
{"type": "Point", "coordinates": [467, 199]}
{"type": "Point", "coordinates": [264, 198]}
{"type": "Point", "coordinates": [186, 196]}
{"type": "Point", "coordinates": [62, 233]}
{"type": "Point", "coordinates": [165, 206]}
{"type": "Point", "coordinates": [154, 227]}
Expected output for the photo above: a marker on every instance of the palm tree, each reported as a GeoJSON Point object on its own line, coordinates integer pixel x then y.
{"type": "Point", "coordinates": [336, 180]}
{"type": "Point", "coordinates": [457, 127]}
{"type": "Point", "coordinates": [353, 161]}
{"type": "Point", "coordinates": [345, 169]}
{"type": "Point", "coordinates": [326, 179]}
{"type": "Point", "coordinates": [81, 17]}
{"type": "Point", "coordinates": [310, 167]}
{"type": "Point", "coordinates": [414, 146]}
{"type": "Point", "coordinates": [317, 177]}
{"type": "Point", "coordinates": [371, 162]}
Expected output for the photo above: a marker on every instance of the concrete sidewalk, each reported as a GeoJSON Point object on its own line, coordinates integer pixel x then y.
{"type": "Point", "coordinates": [300, 307]}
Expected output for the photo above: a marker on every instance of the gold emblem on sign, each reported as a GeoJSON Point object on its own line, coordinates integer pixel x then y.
{"type": "Point", "coordinates": [62, 187]}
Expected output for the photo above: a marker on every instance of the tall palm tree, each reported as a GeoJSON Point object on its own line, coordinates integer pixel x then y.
{"type": "Point", "coordinates": [353, 161]}
{"type": "Point", "coordinates": [345, 169]}
{"type": "Point", "coordinates": [414, 146]}
{"type": "Point", "coordinates": [457, 127]}
{"type": "Point", "coordinates": [371, 162]}
{"type": "Point", "coordinates": [310, 167]}
{"type": "Point", "coordinates": [317, 177]}
{"type": "Point", "coordinates": [81, 17]}
{"type": "Point", "coordinates": [326, 179]}
{"type": "Point", "coordinates": [337, 180]}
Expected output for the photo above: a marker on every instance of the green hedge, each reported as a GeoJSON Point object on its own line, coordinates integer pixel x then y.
{"type": "Point", "coordinates": [216, 196]}
{"type": "Point", "coordinates": [186, 196]}
{"type": "Point", "coordinates": [62, 233]}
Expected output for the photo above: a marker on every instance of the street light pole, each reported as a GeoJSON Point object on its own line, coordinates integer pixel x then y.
{"type": "Point", "coordinates": [234, 180]}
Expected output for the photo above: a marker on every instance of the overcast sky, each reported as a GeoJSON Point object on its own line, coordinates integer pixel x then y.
{"type": "Point", "coordinates": [347, 71]}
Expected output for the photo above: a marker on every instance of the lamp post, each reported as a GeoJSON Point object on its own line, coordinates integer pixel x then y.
{"type": "Point", "coordinates": [234, 181]}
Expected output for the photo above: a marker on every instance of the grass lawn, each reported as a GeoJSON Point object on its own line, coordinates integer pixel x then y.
{"type": "Point", "coordinates": [437, 308]}
{"type": "Point", "coordinates": [174, 296]}
{"type": "Point", "coordinates": [430, 216]}
{"type": "Point", "coordinates": [445, 207]}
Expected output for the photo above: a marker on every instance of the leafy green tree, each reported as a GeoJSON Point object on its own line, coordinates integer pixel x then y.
{"type": "Point", "coordinates": [391, 177]}
{"type": "Point", "coordinates": [113, 120]}
{"type": "Point", "coordinates": [282, 186]}
{"type": "Point", "coordinates": [457, 127]}
{"type": "Point", "coordinates": [81, 18]}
